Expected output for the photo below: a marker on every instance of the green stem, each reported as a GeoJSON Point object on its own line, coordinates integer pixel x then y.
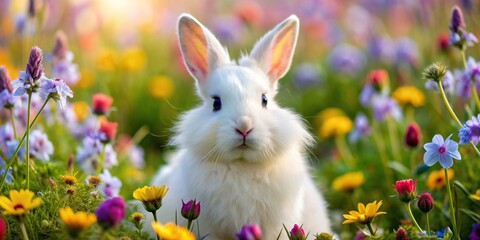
{"type": "Point", "coordinates": [412, 217]}
{"type": "Point", "coordinates": [28, 141]}
{"type": "Point", "coordinates": [155, 219]}
{"type": "Point", "coordinates": [189, 224]}
{"type": "Point", "coordinates": [475, 95]}
{"type": "Point", "coordinates": [454, 221]}
{"type": "Point", "coordinates": [10, 161]}
{"type": "Point", "coordinates": [428, 225]}
{"type": "Point", "coordinates": [382, 153]}
{"type": "Point", "coordinates": [344, 151]}
{"type": "Point", "coordinates": [23, 229]}
{"type": "Point", "coordinates": [413, 154]}
{"type": "Point", "coordinates": [369, 225]}
{"type": "Point", "coordinates": [393, 139]}
{"type": "Point", "coordinates": [101, 160]}
{"type": "Point", "coordinates": [12, 119]}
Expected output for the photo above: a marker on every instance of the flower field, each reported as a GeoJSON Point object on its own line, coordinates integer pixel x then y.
{"type": "Point", "coordinates": [90, 101]}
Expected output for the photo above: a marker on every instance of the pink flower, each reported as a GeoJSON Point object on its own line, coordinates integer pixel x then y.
{"type": "Point", "coordinates": [413, 135]}
{"type": "Point", "coordinates": [190, 210]}
{"type": "Point", "coordinates": [101, 103]}
{"type": "Point", "coordinates": [109, 129]}
{"type": "Point", "coordinates": [297, 233]}
{"type": "Point", "coordinates": [406, 189]}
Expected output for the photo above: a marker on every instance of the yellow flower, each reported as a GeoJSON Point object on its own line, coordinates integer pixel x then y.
{"type": "Point", "coordinates": [170, 231]}
{"type": "Point", "coordinates": [161, 87]}
{"type": "Point", "coordinates": [133, 59]}
{"type": "Point", "coordinates": [436, 179]}
{"type": "Point", "coordinates": [87, 78]}
{"type": "Point", "coordinates": [81, 110]}
{"type": "Point", "coordinates": [475, 196]}
{"type": "Point", "coordinates": [151, 197]}
{"type": "Point", "coordinates": [77, 221]}
{"type": "Point", "coordinates": [349, 181]}
{"type": "Point", "coordinates": [364, 215]}
{"type": "Point", "coordinates": [69, 180]}
{"type": "Point", "coordinates": [106, 60]}
{"type": "Point", "coordinates": [335, 126]}
{"type": "Point", "coordinates": [137, 217]}
{"type": "Point", "coordinates": [94, 180]}
{"type": "Point", "coordinates": [409, 95]}
{"type": "Point", "coordinates": [20, 202]}
{"type": "Point", "coordinates": [326, 114]}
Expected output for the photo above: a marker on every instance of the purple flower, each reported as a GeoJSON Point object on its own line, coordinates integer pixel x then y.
{"type": "Point", "coordinates": [11, 146]}
{"type": "Point", "coordinates": [380, 48]}
{"type": "Point", "coordinates": [6, 135]}
{"type": "Point", "coordinates": [475, 234]}
{"type": "Point", "coordinates": [136, 156]}
{"type": "Point", "coordinates": [40, 147]}
{"type": "Point", "coordinates": [88, 153]}
{"type": "Point", "coordinates": [110, 185]}
{"type": "Point", "coordinates": [457, 22]}
{"type": "Point", "coordinates": [228, 29]}
{"type": "Point", "coordinates": [60, 50]}
{"type": "Point", "coordinates": [111, 212]}
{"type": "Point", "coordinates": [297, 233]}
{"type": "Point", "coordinates": [110, 157]}
{"type": "Point", "coordinates": [347, 59]}
{"type": "Point", "coordinates": [306, 75]}
{"type": "Point", "coordinates": [473, 69]}
{"type": "Point", "coordinates": [360, 235]}
{"type": "Point", "coordinates": [250, 232]}
{"type": "Point", "coordinates": [56, 89]}
{"type": "Point", "coordinates": [5, 80]}
{"type": "Point", "coordinates": [441, 151]}
{"type": "Point", "coordinates": [362, 128]}
{"type": "Point", "coordinates": [384, 107]}
{"type": "Point", "coordinates": [470, 131]}
{"type": "Point", "coordinates": [34, 64]}
{"type": "Point", "coordinates": [9, 178]}
{"type": "Point", "coordinates": [67, 71]}
{"type": "Point", "coordinates": [406, 51]}
{"type": "Point", "coordinates": [425, 202]}
{"type": "Point", "coordinates": [190, 210]}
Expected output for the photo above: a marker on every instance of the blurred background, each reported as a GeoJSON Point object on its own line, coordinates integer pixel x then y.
{"type": "Point", "coordinates": [128, 50]}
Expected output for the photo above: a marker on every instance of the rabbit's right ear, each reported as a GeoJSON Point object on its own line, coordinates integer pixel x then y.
{"type": "Point", "coordinates": [201, 51]}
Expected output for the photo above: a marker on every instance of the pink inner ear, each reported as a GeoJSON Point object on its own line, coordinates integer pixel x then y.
{"type": "Point", "coordinates": [281, 53]}
{"type": "Point", "coordinates": [194, 48]}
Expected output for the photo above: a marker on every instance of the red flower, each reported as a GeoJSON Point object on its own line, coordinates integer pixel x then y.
{"type": "Point", "coordinates": [109, 129]}
{"type": "Point", "coordinates": [413, 135]}
{"type": "Point", "coordinates": [406, 189]}
{"type": "Point", "coordinates": [425, 202]}
{"type": "Point", "coordinates": [101, 103]}
{"type": "Point", "coordinates": [3, 229]}
{"type": "Point", "coordinates": [378, 79]}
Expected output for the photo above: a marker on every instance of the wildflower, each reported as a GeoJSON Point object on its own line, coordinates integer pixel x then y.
{"type": "Point", "coordinates": [443, 42]}
{"type": "Point", "coordinates": [436, 179]}
{"type": "Point", "coordinates": [40, 147]}
{"type": "Point", "coordinates": [364, 215]}
{"type": "Point", "coordinates": [378, 79]}
{"type": "Point", "coordinates": [306, 74]}
{"type": "Point", "coordinates": [435, 72]}
{"type": "Point", "coordinates": [401, 234]}
{"type": "Point", "coordinates": [76, 221]}
{"type": "Point", "coordinates": [459, 37]}
{"type": "Point", "coordinates": [190, 210]}
{"type": "Point", "coordinates": [249, 12]}
{"type": "Point", "coordinates": [27, 83]}
{"type": "Point", "coordinates": [425, 202]}
{"type": "Point", "coordinates": [324, 236]}
{"type": "Point", "coordinates": [406, 52]}
{"type": "Point", "coordinates": [151, 197]}
{"type": "Point", "coordinates": [111, 212]}
{"type": "Point", "coordinates": [441, 151]}
{"type": "Point", "coordinates": [347, 59]}
{"type": "Point", "coordinates": [137, 217]}
{"type": "Point", "coordinates": [406, 190]}
{"type": "Point", "coordinates": [475, 234]}
{"type": "Point", "coordinates": [81, 110]}
{"type": "Point", "coordinates": [457, 22]}
{"type": "Point", "coordinates": [362, 128]}
{"type": "Point", "coordinates": [101, 103]}
{"type": "Point", "coordinates": [409, 95]}
{"type": "Point", "coordinates": [20, 202]}
{"type": "Point", "coordinates": [475, 196]}
{"type": "Point", "coordinates": [94, 180]}
{"type": "Point", "coordinates": [3, 168]}
{"type": "Point", "coordinates": [110, 185]}
{"type": "Point", "coordinates": [326, 114]}
{"type": "Point", "coordinates": [470, 131]}
{"type": "Point", "coordinates": [335, 126]}
{"type": "Point", "coordinates": [384, 106]}
{"type": "Point", "coordinates": [3, 229]}
{"type": "Point", "coordinates": [228, 30]}
{"type": "Point", "coordinates": [349, 181]}
{"type": "Point", "coordinates": [109, 130]}
{"type": "Point", "coordinates": [170, 231]}
{"type": "Point", "coordinates": [110, 157]}
{"type": "Point", "coordinates": [360, 235]}
{"type": "Point", "coordinates": [70, 190]}
{"type": "Point", "coordinates": [133, 59]}
{"type": "Point", "coordinates": [6, 89]}
{"type": "Point", "coordinates": [297, 233]}
{"type": "Point", "coordinates": [60, 49]}
{"type": "Point", "coordinates": [413, 135]}
{"type": "Point", "coordinates": [250, 232]}
{"type": "Point", "coordinates": [161, 87]}
{"type": "Point", "coordinates": [56, 89]}
{"type": "Point", "coordinates": [69, 180]}
{"type": "Point", "coordinates": [380, 48]}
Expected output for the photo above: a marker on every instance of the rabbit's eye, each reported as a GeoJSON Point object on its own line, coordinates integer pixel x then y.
{"type": "Point", "coordinates": [217, 103]}
{"type": "Point", "coordinates": [264, 100]}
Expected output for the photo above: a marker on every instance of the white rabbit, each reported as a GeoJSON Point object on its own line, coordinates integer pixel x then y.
{"type": "Point", "coordinates": [240, 154]}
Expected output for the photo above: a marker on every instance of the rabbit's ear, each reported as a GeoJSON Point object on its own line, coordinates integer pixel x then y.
{"type": "Point", "coordinates": [274, 51]}
{"type": "Point", "coordinates": [201, 51]}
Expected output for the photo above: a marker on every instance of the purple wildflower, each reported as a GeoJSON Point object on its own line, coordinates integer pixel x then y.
{"type": "Point", "coordinates": [110, 156]}
{"type": "Point", "coordinates": [406, 52]}
{"type": "Point", "coordinates": [470, 131]}
{"type": "Point", "coordinates": [34, 64]}
{"type": "Point", "coordinates": [475, 234]}
{"type": "Point", "coordinates": [40, 147]}
{"type": "Point", "coordinates": [441, 151]}
{"type": "Point", "coordinates": [190, 210]}
{"type": "Point", "coordinates": [347, 59]}
{"type": "Point", "coordinates": [5, 80]}
{"type": "Point", "coordinates": [11, 146]}
{"type": "Point", "coordinates": [362, 128]}
{"type": "Point", "coordinates": [250, 232]}
{"type": "Point", "coordinates": [88, 153]}
{"type": "Point", "coordinates": [60, 49]}
{"type": "Point", "coordinates": [56, 89]}
{"type": "Point", "coordinates": [297, 233]}
{"type": "Point", "coordinates": [110, 185]}
{"type": "Point", "coordinates": [384, 106]}
{"type": "Point", "coordinates": [306, 75]}
{"type": "Point", "coordinates": [457, 22]}
{"type": "Point", "coordinates": [3, 167]}
{"type": "Point", "coordinates": [67, 71]}
{"type": "Point", "coordinates": [111, 212]}
{"type": "Point", "coordinates": [228, 29]}
{"type": "Point", "coordinates": [380, 48]}
{"type": "Point", "coordinates": [6, 135]}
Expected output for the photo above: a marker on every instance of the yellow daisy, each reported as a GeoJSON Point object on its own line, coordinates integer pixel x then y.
{"type": "Point", "coordinates": [436, 179]}
{"type": "Point", "coordinates": [409, 95]}
{"type": "Point", "coordinates": [170, 231]}
{"type": "Point", "coordinates": [20, 202]}
{"type": "Point", "coordinates": [151, 197]}
{"type": "Point", "coordinates": [77, 221]}
{"type": "Point", "coordinates": [364, 215]}
{"type": "Point", "coordinates": [137, 217]}
{"type": "Point", "coordinates": [335, 126]}
{"type": "Point", "coordinates": [475, 196]}
{"type": "Point", "coordinates": [69, 180]}
{"type": "Point", "coordinates": [349, 181]}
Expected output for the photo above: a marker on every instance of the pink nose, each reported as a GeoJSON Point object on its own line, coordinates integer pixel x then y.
{"type": "Point", "coordinates": [243, 133]}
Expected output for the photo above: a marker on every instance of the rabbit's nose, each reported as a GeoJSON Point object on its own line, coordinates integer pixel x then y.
{"type": "Point", "coordinates": [243, 133]}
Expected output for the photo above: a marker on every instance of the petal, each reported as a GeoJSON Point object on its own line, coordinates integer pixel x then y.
{"type": "Point", "coordinates": [430, 158]}
{"type": "Point", "coordinates": [455, 154]}
{"type": "Point", "coordinates": [361, 208]}
{"type": "Point", "coordinates": [446, 161]}
{"type": "Point", "coordinates": [452, 146]}
{"type": "Point", "coordinates": [430, 146]}
{"type": "Point", "coordinates": [438, 139]}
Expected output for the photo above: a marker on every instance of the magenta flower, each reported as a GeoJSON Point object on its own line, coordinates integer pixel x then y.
{"type": "Point", "coordinates": [297, 233]}
{"type": "Point", "coordinates": [475, 234]}
{"type": "Point", "coordinates": [191, 210]}
{"type": "Point", "coordinates": [425, 202]}
{"type": "Point", "coordinates": [250, 232]}
{"type": "Point", "coordinates": [406, 190]}
{"type": "Point", "coordinates": [441, 151]}
{"type": "Point", "coordinates": [413, 135]}
{"type": "Point", "coordinates": [111, 212]}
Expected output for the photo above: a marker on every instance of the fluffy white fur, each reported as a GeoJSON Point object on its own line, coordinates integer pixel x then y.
{"type": "Point", "coordinates": [267, 182]}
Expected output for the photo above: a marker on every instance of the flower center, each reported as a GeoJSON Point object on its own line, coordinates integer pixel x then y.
{"type": "Point", "coordinates": [18, 206]}
{"type": "Point", "coordinates": [442, 149]}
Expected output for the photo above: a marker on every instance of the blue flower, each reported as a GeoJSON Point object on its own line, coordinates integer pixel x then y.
{"type": "Point", "coordinates": [441, 151]}
{"type": "Point", "coordinates": [362, 128]}
{"type": "Point", "coordinates": [384, 106]}
{"type": "Point", "coordinates": [440, 233]}
{"type": "Point", "coordinates": [475, 234]}
{"type": "Point", "coordinates": [56, 89]}
{"type": "Point", "coordinates": [470, 131]}
{"type": "Point", "coordinates": [347, 59]}
{"type": "Point", "coordinates": [110, 185]}
{"type": "Point", "coordinates": [9, 178]}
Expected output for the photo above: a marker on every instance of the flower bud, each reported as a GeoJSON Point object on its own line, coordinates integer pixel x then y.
{"type": "Point", "coordinates": [456, 22]}
{"type": "Point", "coordinates": [250, 232]}
{"type": "Point", "coordinates": [406, 190]}
{"type": "Point", "coordinates": [5, 80]}
{"type": "Point", "coordinates": [60, 49]}
{"type": "Point", "coordinates": [101, 103]}
{"type": "Point", "coordinates": [413, 135]}
{"type": "Point", "coordinates": [401, 234]}
{"type": "Point", "coordinates": [425, 202]}
{"type": "Point", "coordinates": [137, 217]}
{"type": "Point", "coordinates": [190, 210]}
{"type": "Point", "coordinates": [34, 64]}
{"type": "Point", "coordinates": [435, 72]}
{"type": "Point", "coordinates": [324, 236]}
{"type": "Point", "coordinates": [111, 212]}
{"type": "Point", "coordinates": [297, 233]}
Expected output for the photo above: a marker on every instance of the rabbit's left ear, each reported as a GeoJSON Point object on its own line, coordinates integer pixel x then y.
{"type": "Point", "coordinates": [273, 52]}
